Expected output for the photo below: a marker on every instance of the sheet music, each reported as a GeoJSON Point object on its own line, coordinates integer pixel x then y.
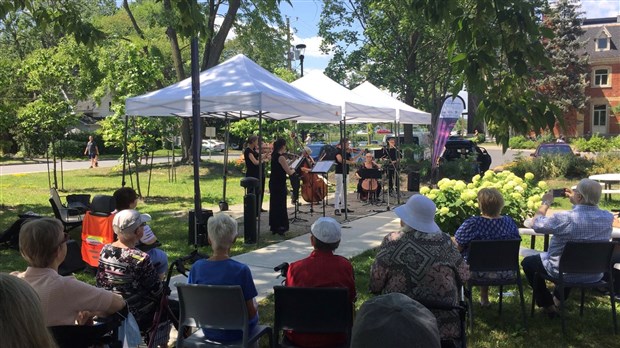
{"type": "Point", "coordinates": [322, 166]}
{"type": "Point", "coordinates": [295, 164]}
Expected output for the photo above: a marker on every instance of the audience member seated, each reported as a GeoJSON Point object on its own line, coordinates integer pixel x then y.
{"type": "Point", "coordinates": [489, 226]}
{"type": "Point", "coordinates": [64, 300]}
{"type": "Point", "coordinates": [127, 198]}
{"type": "Point", "coordinates": [421, 262]}
{"type": "Point", "coordinates": [584, 222]}
{"type": "Point", "coordinates": [220, 269]}
{"type": "Point", "coordinates": [394, 320]}
{"type": "Point", "coordinates": [128, 271]}
{"type": "Point", "coordinates": [21, 317]}
{"type": "Point", "coordinates": [322, 269]}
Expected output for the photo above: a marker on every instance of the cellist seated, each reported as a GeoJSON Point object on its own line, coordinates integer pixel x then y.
{"type": "Point", "coordinates": [368, 184]}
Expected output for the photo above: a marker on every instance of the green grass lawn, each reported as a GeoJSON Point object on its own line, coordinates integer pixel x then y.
{"type": "Point", "coordinates": [169, 203]}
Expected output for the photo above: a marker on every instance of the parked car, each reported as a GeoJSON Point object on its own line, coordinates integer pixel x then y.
{"type": "Point", "coordinates": [213, 145]}
{"type": "Point", "coordinates": [553, 149]}
{"type": "Point", "coordinates": [462, 148]}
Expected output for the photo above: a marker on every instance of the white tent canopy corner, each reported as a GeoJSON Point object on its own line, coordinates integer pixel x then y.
{"type": "Point", "coordinates": [406, 114]}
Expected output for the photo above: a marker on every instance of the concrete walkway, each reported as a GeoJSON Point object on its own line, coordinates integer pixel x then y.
{"type": "Point", "coordinates": [357, 236]}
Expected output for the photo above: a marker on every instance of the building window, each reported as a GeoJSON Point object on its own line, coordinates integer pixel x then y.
{"type": "Point", "coordinates": [599, 115]}
{"type": "Point", "coordinates": [602, 44]}
{"type": "Point", "coordinates": [601, 77]}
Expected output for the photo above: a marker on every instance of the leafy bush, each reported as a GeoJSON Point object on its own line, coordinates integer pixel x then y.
{"type": "Point", "coordinates": [457, 201]}
{"type": "Point", "coordinates": [553, 166]}
{"type": "Point", "coordinates": [460, 168]}
{"type": "Point", "coordinates": [521, 142]}
{"type": "Point", "coordinates": [606, 163]}
{"type": "Point", "coordinates": [596, 143]}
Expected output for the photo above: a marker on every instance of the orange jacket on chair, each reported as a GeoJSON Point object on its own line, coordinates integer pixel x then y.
{"type": "Point", "coordinates": [96, 232]}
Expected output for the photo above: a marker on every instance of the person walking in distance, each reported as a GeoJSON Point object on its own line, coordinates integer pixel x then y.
{"type": "Point", "coordinates": [92, 151]}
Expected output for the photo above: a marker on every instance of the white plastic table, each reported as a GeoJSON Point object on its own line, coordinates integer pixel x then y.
{"type": "Point", "coordinates": [608, 180]}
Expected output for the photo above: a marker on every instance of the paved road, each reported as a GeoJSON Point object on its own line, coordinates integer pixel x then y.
{"type": "Point", "coordinates": [77, 164]}
{"type": "Point", "coordinates": [495, 152]}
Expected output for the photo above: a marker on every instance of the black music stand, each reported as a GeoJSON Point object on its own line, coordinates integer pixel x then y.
{"type": "Point", "coordinates": [322, 167]}
{"type": "Point", "coordinates": [371, 173]}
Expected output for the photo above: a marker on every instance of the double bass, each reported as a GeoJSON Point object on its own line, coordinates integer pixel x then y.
{"type": "Point", "coordinates": [313, 188]}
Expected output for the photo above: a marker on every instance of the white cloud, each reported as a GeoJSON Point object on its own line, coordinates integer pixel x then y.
{"type": "Point", "coordinates": [600, 8]}
{"type": "Point", "coordinates": [312, 46]}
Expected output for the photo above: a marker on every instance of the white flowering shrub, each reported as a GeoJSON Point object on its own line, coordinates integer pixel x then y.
{"type": "Point", "coordinates": [456, 201]}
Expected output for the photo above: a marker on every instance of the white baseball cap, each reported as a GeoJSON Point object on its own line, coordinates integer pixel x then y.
{"type": "Point", "coordinates": [326, 229]}
{"type": "Point", "coordinates": [128, 220]}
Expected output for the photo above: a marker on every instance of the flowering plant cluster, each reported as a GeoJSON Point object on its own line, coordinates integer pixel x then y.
{"type": "Point", "coordinates": [456, 201]}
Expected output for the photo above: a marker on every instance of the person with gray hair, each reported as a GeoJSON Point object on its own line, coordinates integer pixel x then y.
{"type": "Point", "coordinates": [394, 320]}
{"type": "Point", "coordinates": [220, 269]}
{"type": "Point", "coordinates": [584, 222]}
{"type": "Point", "coordinates": [128, 271]}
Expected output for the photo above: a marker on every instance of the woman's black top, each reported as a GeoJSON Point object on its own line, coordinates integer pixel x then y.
{"type": "Point", "coordinates": [251, 168]}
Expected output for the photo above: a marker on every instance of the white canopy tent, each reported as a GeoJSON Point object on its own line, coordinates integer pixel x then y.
{"type": "Point", "coordinates": [405, 114]}
{"type": "Point", "coordinates": [355, 109]}
{"type": "Point", "coordinates": [238, 86]}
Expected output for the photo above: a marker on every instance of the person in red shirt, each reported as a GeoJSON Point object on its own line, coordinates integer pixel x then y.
{"type": "Point", "coordinates": [322, 269]}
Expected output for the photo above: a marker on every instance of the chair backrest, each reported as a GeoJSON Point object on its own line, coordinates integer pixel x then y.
{"type": "Point", "coordinates": [586, 257]}
{"type": "Point", "coordinates": [96, 232]}
{"type": "Point", "coordinates": [312, 310]}
{"type": "Point", "coordinates": [56, 198]}
{"type": "Point", "coordinates": [102, 205]}
{"type": "Point", "coordinates": [494, 255]}
{"type": "Point", "coordinates": [220, 307]}
{"type": "Point", "coordinates": [56, 210]}
{"type": "Point", "coordinates": [83, 336]}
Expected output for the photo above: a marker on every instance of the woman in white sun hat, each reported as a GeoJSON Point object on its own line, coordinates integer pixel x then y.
{"type": "Point", "coordinates": [421, 262]}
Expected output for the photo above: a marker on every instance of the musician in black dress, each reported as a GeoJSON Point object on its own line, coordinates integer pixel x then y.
{"type": "Point", "coordinates": [251, 156]}
{"type": "Point", "coordinates": [304, 166]}
{"type": "Point", "coordinates": [278, 217]}
{"type": "Point", "coordinates": [391, 154]}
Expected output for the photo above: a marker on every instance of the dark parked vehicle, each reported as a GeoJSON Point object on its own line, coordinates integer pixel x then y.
{"type": "Point", "coordinates": [461, 148]}
{"type": "Point", "coordinates": [553, 149]}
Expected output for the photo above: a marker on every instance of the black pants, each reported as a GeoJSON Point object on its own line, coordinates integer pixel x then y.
{"type": "Point", "coordinates": [531, 265]}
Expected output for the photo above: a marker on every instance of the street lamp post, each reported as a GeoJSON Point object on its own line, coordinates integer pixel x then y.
{"type": "Point", "coordinates": [302, 49]}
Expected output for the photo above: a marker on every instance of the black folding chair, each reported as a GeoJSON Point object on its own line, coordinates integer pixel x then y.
{"type": "Point", "coordinates": [461, 308]}
{"type": "Point", "coordinates": [84, 336]}
{"type": "Point", "coordinates": [311, 310]}
{"type": "Point", "coordinates": [215, 307]}
{"type": "Point", "coordinates": [583, 257]}
{"type": "Point", "coordinates": [495, 256]}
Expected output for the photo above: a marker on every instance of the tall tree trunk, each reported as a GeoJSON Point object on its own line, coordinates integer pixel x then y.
{"type": "Point", "coordinates": [411, 70]}
{"type": "Point", "coordinates": [179, 69]}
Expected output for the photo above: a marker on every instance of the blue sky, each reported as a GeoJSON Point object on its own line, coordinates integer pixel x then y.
{"type": "Point", "coordinates": [305, 14]}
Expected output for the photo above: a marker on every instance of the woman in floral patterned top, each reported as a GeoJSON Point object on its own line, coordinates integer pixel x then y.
{"type": "Point", "coordinates": [421, 262]}
{"type": "Point", "coordinates": [128, 271]}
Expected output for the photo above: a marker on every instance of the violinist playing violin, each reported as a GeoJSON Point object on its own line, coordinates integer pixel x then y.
{"type": "Point", "coordinates": [342, 171]}
{"type": "Point", "coordinates": [391, 155]}
{"type": "Point", "coordinates": [367, 185]}
{"type": "Point", "coordinates": [251, 156]}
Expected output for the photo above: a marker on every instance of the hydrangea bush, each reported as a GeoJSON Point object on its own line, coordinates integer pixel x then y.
{"type": "Point", "coordinates": [457, 201]}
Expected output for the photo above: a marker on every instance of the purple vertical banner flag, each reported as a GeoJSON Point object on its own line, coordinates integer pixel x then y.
{"type": "Point", "coordinates": [450, 112]}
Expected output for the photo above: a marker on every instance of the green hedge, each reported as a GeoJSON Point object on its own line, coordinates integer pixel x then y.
{"type": "Point", "coordinates": [554, 166]}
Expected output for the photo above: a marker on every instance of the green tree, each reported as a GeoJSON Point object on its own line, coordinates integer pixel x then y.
{"type": "Point", "coordinates": [489, 46]}
{"type": "Point", "coordinates": [565, 83]}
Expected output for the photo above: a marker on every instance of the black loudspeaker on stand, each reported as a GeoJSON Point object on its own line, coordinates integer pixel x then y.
{"type": "Point", "coordinates": [413, 182]}
{"type": "Point", "coordinates": [249, 209]}
{"type": "Point", "coordinates": [201, 239]}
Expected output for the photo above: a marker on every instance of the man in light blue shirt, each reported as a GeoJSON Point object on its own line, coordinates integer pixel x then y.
{"type": "Point", "coordinates": [584, 222]}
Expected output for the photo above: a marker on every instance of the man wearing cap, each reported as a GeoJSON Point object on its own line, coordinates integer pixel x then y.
{"type": "Point", "coordinates": [128, 271]}
{"type": "Point", "coordinates": [127, 198]}
{"type": "Point", "coordinates": [421, 262]}
{"type": "Point", "coordinates": [322, 269]}
{"type": "Point", "coordinates": [394, 320]}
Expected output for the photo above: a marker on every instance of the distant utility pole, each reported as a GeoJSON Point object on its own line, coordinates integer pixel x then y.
{"type": "Point", "coordinates": [289, 54]}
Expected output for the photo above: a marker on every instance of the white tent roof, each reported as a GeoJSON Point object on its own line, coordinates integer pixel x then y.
{"type": "Point", "coordinates": [354, 108]}
{"type": "Point", "coordinates": [236, 85]}
{"type": "Point", "coordinates": [405, 114]}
